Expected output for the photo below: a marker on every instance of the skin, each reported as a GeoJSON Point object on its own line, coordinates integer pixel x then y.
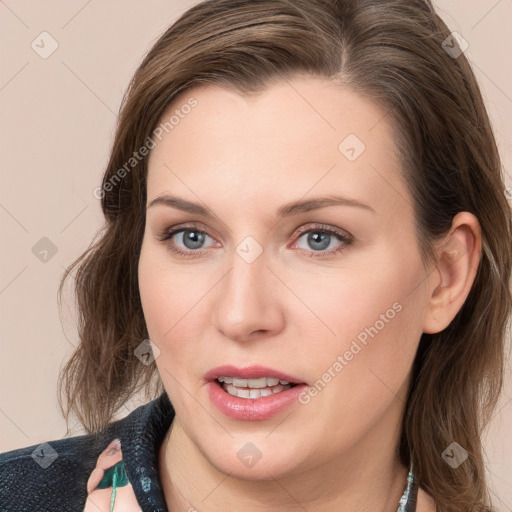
{"type": "Point", "coordinates": [244, 157]}
{"type": "Point", "coordinates": [99, 499]}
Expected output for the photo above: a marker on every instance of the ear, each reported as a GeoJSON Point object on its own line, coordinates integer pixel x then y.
{"type": "Point", "coordinates": [458, 257]}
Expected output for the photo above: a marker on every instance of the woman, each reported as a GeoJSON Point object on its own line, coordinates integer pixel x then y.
{"type": "Point", "coordinates": [306, 257]}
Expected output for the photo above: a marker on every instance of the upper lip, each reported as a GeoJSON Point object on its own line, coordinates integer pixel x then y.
{"type": "Point", "coordinates": [250, 372]}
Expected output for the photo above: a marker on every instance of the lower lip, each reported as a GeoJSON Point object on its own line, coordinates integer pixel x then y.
{"type": "Point", "coordinates": [253, 409]}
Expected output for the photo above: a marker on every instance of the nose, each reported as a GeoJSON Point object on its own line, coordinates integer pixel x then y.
{"type": "Point", "coordinates": [247, 305]}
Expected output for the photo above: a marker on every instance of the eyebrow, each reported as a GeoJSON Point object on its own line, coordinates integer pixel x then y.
{"type": "Point", "coordinates": [289, 209]}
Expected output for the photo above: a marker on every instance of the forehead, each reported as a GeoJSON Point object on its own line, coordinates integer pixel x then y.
{"type": "Point", "coordinates": [301, 136]}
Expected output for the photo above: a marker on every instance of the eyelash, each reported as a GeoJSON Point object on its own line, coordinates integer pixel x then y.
{"type": "Point", "coordinates": [317, 228]}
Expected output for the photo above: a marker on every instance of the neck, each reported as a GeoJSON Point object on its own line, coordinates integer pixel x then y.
{"type": "Point", "coordinates": [368, 478]}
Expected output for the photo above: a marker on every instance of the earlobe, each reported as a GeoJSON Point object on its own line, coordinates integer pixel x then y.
{"type": "Point", "coordinates": [449, 284]}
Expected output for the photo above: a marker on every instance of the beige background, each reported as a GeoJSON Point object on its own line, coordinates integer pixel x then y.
{"type": "Point", "coordinates": [57, 122]}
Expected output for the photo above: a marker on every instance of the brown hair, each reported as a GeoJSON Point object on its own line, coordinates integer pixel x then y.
{"type": "Point", "coordinates": [391, 51]}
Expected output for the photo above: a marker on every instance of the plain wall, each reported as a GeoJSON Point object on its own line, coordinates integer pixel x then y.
{"type": "Point", "coordinates": [57, 122]}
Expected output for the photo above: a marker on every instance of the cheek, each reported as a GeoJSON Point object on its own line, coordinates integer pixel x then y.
{"type": "Point", "coordinates": [163, 298]}
{"type": "Point", "coordinates": [374, 316]}
{"type": "Point", "coordinates": [165, 291]}
{"type": "Point", "coordinates": [174, 300]}
{"type": "Point", "coordinates": [362, 371]}
{"type": "Point", "coordinates": [373, 300]}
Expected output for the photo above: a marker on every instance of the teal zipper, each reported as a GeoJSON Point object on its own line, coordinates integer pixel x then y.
{"type": "Point", "coordinates": [114, 477]}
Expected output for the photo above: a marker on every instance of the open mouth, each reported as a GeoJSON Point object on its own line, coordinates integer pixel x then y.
{"type": "Point", "coordinates": [253, 388]}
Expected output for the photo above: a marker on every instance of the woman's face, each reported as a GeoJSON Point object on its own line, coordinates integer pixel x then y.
{"type": "Point", "coordinates": [331, 294]}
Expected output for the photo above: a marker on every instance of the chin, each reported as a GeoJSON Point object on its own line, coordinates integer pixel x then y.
{"type": "Point", "coordinates": [256, 460]}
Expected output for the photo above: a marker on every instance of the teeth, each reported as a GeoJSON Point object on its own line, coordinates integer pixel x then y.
{"type": "Point", "coordinates": [254, 393]}
{"type": "Point", "coordinates": [257, 393]}
{"type": "Point", "coordinates": [257, 383]}
{"type": "Point", "coordinates": [263, 382]}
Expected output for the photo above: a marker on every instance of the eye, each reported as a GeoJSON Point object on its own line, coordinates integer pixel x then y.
{"type": "Point", "coordinates": [321, 241]}
{"type": "Point", "coordinates": [188, 239]}
{"type": "Point", "coordinates": [319, 238]}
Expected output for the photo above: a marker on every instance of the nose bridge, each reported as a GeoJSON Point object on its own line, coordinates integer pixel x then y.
{"type": "Point", "coordinates": [245, 282]}
{"type": "Point", "coordinates": [248, 269]}
{"type": "Point", "coordinates": [243, 303]}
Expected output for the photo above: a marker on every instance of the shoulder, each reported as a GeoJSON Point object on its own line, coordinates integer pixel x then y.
{"type": "Point", "coordinates": [48, 476]}
{"type": "Point", "coordinates": [62, 474]}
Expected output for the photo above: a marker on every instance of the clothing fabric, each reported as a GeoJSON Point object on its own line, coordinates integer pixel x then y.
{"type": "Point", "coordinates": [113, 471]}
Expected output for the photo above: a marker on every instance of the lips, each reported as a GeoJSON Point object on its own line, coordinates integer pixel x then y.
{"type": "Point", "coordinates": [251, 372]}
